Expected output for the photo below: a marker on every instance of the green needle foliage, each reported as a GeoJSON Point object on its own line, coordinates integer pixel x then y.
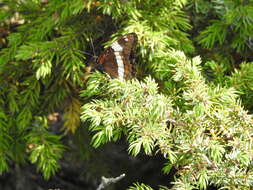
{"type": "Point", "coordinates": [138, 186]}
{"type": "Point", "coordinates": [188, 110]}
{"type": "Point", "coordinates": [223, 28]}
{"type": "Point", "coordinates": [45, 149]}
{"type": "Point", "coordinates": [208, 139]}
{"type": "Point", "coordinates": [136, 105]}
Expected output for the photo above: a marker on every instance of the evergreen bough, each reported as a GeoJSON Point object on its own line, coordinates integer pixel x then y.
{"type": "Point", "coordinates": [196, 121]}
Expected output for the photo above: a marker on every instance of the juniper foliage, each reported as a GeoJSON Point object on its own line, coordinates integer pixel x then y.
{"type": "Point", "coordinates": [173, 108]}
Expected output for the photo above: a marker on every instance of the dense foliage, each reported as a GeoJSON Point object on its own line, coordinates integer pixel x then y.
{"type": "Point", "coordinates": [188, 110]}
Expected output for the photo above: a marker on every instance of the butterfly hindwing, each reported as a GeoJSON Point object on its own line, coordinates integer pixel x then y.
{"type": "Point", "coordinates": [108, 62]}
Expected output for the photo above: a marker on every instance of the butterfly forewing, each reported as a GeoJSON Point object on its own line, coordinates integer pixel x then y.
{"type": "Point", "coordinates": [128, 42]}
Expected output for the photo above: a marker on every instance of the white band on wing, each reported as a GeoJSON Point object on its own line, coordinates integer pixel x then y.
{"type": "Point", "coordinates": [120, 64]}
{"type": "Point", "coordinates": [117, 49]}
{"type": "Point", "coordinates": [116, 46]}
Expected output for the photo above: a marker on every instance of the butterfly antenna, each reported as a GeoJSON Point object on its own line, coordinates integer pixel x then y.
{"type": "Point", "coordinates": [93, 49]}
{"type": "Point", "coordinates": [87, 53]}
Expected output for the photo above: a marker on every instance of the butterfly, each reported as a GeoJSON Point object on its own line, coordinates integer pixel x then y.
{"type": "Point", "coordinates": [117, 59]}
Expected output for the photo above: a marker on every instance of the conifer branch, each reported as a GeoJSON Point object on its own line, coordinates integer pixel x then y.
{"type": "Point", "coordinates": [194, 118]}
{"type": "Point", "coordinates": [107, 181]}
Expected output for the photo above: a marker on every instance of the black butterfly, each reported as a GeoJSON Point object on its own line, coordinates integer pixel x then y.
{"type": "Point", "coordinates": [116, 60]}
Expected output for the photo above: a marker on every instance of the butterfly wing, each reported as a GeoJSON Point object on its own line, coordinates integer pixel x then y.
{"type": "Point", "coordinates": [128, 42]}
{"type": "Point", "coordinates": [108, 62]}
{"type": "Point", "coordinates": [115, 60]}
